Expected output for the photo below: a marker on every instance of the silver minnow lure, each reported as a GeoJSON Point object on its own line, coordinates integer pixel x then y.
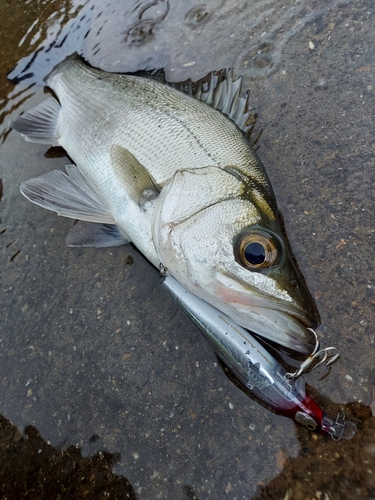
{"type": "Point", "coordinates": [255, 367]}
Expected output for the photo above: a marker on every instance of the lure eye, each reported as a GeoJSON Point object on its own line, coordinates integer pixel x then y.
{"type": "Point", "coordinates": [257, 250]}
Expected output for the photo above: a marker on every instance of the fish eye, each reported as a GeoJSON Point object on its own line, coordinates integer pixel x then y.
{"type": "Point", "coordinates": [255, 253]}
{"type": "Point", "coordinates": [257, 250]}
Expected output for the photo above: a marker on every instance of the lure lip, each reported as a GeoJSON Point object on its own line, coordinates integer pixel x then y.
{"type": "Point", "coordinates": [315, 418]}
{"type": "Point", "coordinates": [340, 428]}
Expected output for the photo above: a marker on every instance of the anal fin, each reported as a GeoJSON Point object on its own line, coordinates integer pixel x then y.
{"type": "Point", "coordinates": [68, 194]}
{"type": "Point", "coordinates": [90, 234]}
{"type": "Point", "coordinates": [40, 123]}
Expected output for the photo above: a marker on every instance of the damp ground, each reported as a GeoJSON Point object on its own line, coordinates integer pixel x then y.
{"type": "Point", "coordinates": [98, 369]}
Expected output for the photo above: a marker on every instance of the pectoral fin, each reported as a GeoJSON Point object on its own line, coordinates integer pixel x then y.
{"type": "Point", "coordinates": [68, 194]}
{"type": "Point", "coordinates": [90, 234]}
{"type": "Point", "coordinates": [137, 181]}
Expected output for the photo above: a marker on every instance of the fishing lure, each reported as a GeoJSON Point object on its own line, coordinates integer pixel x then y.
{"type": "Point", "coordinates": [257, 369]}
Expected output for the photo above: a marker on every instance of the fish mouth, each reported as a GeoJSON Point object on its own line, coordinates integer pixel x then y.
{"type": "Point", "coordinates": [291, 329]}
{"type": "Point", "coordinates": [295, 332]}
{"type": "Point", "coordinates": [283, 322]}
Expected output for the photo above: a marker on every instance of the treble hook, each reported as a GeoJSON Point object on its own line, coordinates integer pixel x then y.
{"type": "Point", "coordinates": [327, 356]}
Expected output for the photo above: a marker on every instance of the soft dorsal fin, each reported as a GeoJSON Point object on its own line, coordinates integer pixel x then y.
{"type": "Point", "coordinates": [68, 194]}
{"type": "Point", "coordinates": [139, 184]}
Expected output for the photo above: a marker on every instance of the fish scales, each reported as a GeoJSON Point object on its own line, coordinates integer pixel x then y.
{"type": "Point", "coordinates": [145, 105]}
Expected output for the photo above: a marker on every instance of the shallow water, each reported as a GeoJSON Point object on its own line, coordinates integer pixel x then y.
{"type": "Point", "coordinates": [89, 343]}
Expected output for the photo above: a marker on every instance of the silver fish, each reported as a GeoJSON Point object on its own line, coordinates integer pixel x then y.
{"type": "Point", "coordinates": [173, 172]}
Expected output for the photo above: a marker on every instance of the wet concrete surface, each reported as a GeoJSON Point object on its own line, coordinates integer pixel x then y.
{"type": "Point", "coordinates": [95, 355]}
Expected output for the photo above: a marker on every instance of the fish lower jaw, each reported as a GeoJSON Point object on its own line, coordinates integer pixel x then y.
{"type": "Point", "coordinates": [276, 312]}
{"type": "Point", "coordinates": [279, 327]}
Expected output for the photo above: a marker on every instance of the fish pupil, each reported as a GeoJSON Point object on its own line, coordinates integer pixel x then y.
{"type": "Point", "coordinates": [255, 253]}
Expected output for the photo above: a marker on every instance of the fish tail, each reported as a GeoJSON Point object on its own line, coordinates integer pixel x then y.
{"type": "Point", "coordinates": [40, 123]}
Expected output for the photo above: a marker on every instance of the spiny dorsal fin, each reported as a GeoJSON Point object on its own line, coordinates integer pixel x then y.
{"type": "Point", "coordinates": [219, 90]}
{"type": "Point", "coordinates": [68, 194]}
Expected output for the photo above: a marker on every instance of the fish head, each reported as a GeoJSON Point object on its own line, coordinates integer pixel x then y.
{"type": "Point", "coordinates": [225, 242]}
{"type": "Point", "coordinates": [266, 289]}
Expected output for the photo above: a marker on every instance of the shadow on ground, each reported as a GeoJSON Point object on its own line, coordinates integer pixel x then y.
{"type": "Point", "coordinates": [31, 468]}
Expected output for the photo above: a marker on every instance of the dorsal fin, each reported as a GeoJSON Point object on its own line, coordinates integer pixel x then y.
{"type": "Point", "coordinates": [152, 74]}
{"type": "Point", "coordinates": [219, 90]}
{"type": "Point", "coordinates": [222, 92]}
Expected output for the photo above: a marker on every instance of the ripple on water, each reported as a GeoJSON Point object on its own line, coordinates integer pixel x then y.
{"type": "Point", "coordinates": [198, 16]}
{"type": "Point", "coordinates": [128, 36]}
{"type": "Point", "coordinates": [187, 40]}
{"type": "Point", "coordinates": [149, 17]}
{"type": "Point", "coordinates": [271, 28]}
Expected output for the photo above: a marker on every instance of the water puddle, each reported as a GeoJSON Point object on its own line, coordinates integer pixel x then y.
{"type": "Point", "coordinates": [93, 353]}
